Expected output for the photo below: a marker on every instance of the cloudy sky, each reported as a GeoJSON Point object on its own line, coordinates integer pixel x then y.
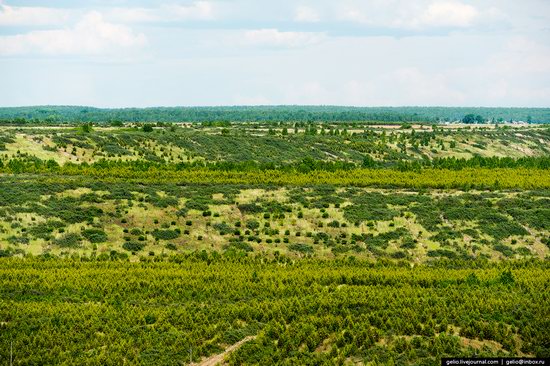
{"type": "Point", "coordinates": [231, 52]}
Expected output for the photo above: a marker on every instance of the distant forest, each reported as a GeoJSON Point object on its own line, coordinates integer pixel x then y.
{"type": "Point", "coordinates": [71, 114]}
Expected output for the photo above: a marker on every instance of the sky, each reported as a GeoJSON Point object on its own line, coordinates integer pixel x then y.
{"type": "Point", "coordinates": [255, 52]}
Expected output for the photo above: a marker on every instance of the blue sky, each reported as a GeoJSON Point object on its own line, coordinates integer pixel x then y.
{"type": "Point", "coordinates": [234, 52]}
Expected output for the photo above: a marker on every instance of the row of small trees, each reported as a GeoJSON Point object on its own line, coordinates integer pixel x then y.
{"type": "Point", "coordinates": [304, 312]}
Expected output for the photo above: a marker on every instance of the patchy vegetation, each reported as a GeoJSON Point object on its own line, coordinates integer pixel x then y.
{"type": "Point", "coordinates": [62, 216]}
{"type": "Point", "coordinates": [319, 243]}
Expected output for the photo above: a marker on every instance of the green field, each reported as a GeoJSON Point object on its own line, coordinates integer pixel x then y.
{"type": "Point", "coordinates": [273, 242]}
{"type": "Point", "coordinates": [301, 312]}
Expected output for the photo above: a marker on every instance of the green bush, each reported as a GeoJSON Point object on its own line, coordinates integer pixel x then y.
{"type": "Point", "coordinates": [442, 253]}
{"type": "Point", "coordinates": [301, 248]}
{"type": "Point", "coordinates": [71, 240]}
{"type": "Point", "coordinates": [165, 234]}
{"type": "Point", "coordinates": [252, 224]}
{"type": "Point", "coordinates": [134, 246]}
{"type": "Point", "coordinates": [95, 235]}
{"type": "Point", "coordinates": [240, 245]}
{"type": "Point", "coordinates": [171, 246]}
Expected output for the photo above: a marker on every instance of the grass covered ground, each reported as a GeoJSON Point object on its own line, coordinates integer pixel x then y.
{"type": "Point", "coordinates": [273, 142]}
{"type": "Point", "coordinates": [69, 215]}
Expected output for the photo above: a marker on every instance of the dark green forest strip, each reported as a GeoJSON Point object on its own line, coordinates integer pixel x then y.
{"type": "Point", "coordinates": [111, 312]}
{"type": "Point", "coordinates": [71, 114]}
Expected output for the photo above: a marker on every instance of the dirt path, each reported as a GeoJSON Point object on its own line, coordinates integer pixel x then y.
{"type": "Point", "coordinates": [218, 359]}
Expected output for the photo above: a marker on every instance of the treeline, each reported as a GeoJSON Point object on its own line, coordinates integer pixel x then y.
{"type": "Point", "coordinates": [476, 177]}
{"type": "Point", "coordinates": [32, 164]}
{"type": "Point", "coordinates": [454, 163]}
{"type": "Point", "coordinates": [80, 114]}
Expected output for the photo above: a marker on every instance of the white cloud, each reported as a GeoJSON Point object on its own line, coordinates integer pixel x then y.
{"type": "Point", "coordinates": [383, 52]}
{"type": "Point", "coordinates": [199, 10]}
{"type": "Point", "coordinates": [410, 14]}
{"type": "Point", "coordinates": [276, 38]}
{"type": "Point", "coordinates": [447, 14]}
{"type": "Point", "coordinates": [132, 15]}
{"type": "Point", "coordinates": [306, 14]}
{"type": "Point", "coordinates": [31, 16]}
{"type": "Point", "coordinates": [91, 35]}
{"type": "Point", "coordinates": [354, 15]}
{"type": "Point", "coordinates": [48, 16]}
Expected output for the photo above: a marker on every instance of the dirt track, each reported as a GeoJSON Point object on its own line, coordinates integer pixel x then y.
{"type": "Point", "coordinates": [218, 359]}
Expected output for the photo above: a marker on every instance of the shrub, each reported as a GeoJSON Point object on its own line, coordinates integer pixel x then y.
{"type": "Point", "coordinates": [504, 249]}
{"type": "Point", "coordinates": [222, 227]}
{"type": "Point", "coordinates": [250, 208]}
{"type": "Point", "coordinates": [165, 234]}
{"type": "Point", "coordinates": [506, 278]}
{"type": "Point", "coordinates": [95, 235]}
{"type": "Point", "coordinates": [301, 248]}
{"type": "Point", "coordinates": [408, 243]}
{"type": "Point", "coordinates": [43, 230]}
{"type": "Point", "coordinates": [241, 246]}
{"type": "Point", "coordinates": [399, 255]}
{"type": "Point", "coordinates": [252, 224]}
{"type": "Point", "coordinates": [442, 253]}
{"type": "Point", "coordinates": [182, 212]}
{"type": "Point", "coordinates": [133, 246]}
{"type": "Point", "coordinates": [136, 231]}
{"type": "Point", "coordinates": [18, 240]}
{"type": "Point", "coordinates": [71, 240]}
